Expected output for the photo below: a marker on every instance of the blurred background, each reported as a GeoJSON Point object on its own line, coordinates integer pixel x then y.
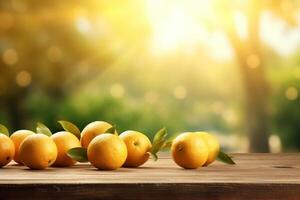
{"type": "Point", "coordinates": [231, 67]}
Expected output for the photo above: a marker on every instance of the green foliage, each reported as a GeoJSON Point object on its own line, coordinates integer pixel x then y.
{"type": "Point", "coordinates": [4, 130]}
{"type": "Point", "coordinates": [223, 157]}
{"type": "Point", "coordinates": [75, 60]}
{"type": "Point", "coordinates": [286, 120]}
{"type": "Point", "coordinates": [79, 154]}
{"type": "Point", "coordinates": [70, 127]}
{"type": "Point", "coordinates": [112, 130]}
{"type": "Point", "coordinates": [159, 140]}
{"type": "Point", "coordinates": [43, 129]}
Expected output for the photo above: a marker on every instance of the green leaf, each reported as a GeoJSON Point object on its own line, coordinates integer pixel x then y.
{"type": "Point", "coordinates": [70, 127]}
{"type": "Point", "coordinates": [42, 128]}
{"type": "Point", "coordinates": [4, 130]}
{"type": "Point", "coordinates": [161, 134]}
{"type": "Point", "coordinates": [223, 157]}
{"type": "Point", "coordinates": [79, 154]}
{"type": "Point", "coordinates": [158, 142]}
{"type": "Point", "coordinates": [112, 130]}
{"type": "Point", "coordinates": [157, 146]}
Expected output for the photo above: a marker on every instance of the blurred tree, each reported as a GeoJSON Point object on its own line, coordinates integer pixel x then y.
{"type": "Point", "coordinates": [42, 49]}
{"type": "Point", "coordinates": [250, 61]}
{"type": "Point", "coordinates": [53, 47]}
{"type": "Point", "coordinates": [249, 52]}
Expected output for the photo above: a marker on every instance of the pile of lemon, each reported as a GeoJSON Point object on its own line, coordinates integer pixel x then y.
{"type": "Point", "coordinates": [100, 144]}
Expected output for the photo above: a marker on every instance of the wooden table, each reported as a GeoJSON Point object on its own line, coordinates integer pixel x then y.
{"type": "Point", "coordinates": [256, 176]}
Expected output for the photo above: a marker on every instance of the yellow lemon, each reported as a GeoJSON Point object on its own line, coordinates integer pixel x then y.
{"type": "Point", "coordinates": [107, 152]}
{"type": "Point", "coordinates": [64, 141]}
{"type": "Point", "coordinates": [189, 150]}
{"type": "Point", "coordinates": [92, 130]}
{"type": "Point", "coordinates": [7, 150]}
{"type": "Point", "coordinates": [38, 151]}
{"type": "Point", "coordinates": [213, 146]}
{"type": "Point", "coordinates": [17, 138]}
{"type": "Point", "coordinates": [138, 146]}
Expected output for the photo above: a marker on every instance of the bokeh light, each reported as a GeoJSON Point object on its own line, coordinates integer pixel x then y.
{"type": "Point", "coordinates": [117, 90]}
{"type": "Point", "coordinates": [180, 92]}
{"type": "Point", "coordinates": [275, 144]}
{"type": "Point", "coordinates": [23, 78]}
{"type": "Point", "coordinates": [10, 56]}
{"type": "Point", "coordinates": [253, 61]}
{"type": "Point", "coordinates": [291, 93]}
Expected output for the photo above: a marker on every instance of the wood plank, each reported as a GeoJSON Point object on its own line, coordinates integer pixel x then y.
{"type": "Point", "coordinates": [258, 176]}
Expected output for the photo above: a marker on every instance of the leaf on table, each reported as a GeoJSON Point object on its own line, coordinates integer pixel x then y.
{"type": "Point", "coordinates": [79, 154]}
{"type": "Point", "coordinates": [223, 157]}
{"type": "Point", "coordinates": [70, 127]}
{"type": "Point", "coordinates": [4, 130]}
{"type": "Point", "coordinates": [43, 129]}
{"type": "Point", "coordinates": [159, 141]}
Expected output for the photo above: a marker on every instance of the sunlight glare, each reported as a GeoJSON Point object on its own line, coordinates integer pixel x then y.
{"type": "Point", "coordinates": [174, 25]}
{"type": "Point", "coordinates": [219, 46]}
{"type": "Point", "coordinates": [83, 25]}
{"type": "Point", "coordinates": [180, 25]}
{"type": "Point", "coordinates": [241, 24]}
{"type": "Point", "coordinates": [277, 34]}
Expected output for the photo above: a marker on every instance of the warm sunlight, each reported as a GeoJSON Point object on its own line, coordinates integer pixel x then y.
{"type": "Point", "coordinates": [176, 24]}
{"type": "Point", "coordinates": [144, 64]}
{"type": "Point", "coordinates": [181, 25]}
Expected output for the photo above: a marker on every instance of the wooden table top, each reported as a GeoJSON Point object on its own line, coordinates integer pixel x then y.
{"type": "Point", "coordinates": [255, 176]}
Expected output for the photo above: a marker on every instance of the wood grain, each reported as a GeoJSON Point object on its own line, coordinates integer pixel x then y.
{"type": "Point", "coordinates": [256, 176]}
